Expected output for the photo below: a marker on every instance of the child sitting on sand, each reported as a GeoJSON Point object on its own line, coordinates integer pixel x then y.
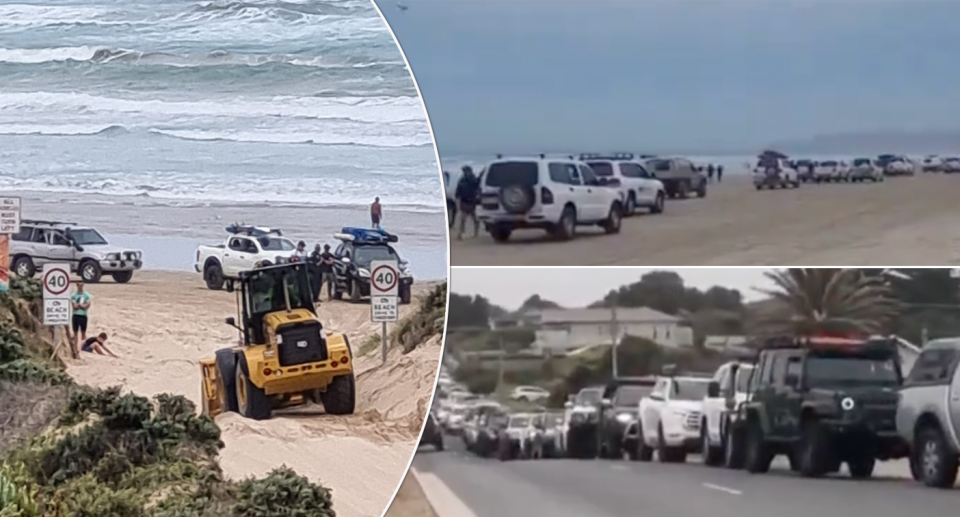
{"type": "Point", "coordinates": [97, 344]}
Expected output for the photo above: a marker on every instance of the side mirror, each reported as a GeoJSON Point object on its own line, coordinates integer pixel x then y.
{"type": "Point", "coordinates": [606, 403]}
{"type": "Point", "coordinates": [713, 389]}
{"type": "Point", "coordinates": [78, 247]}
{"type": "Point", "coordinates": [231, 321]}
{"type": "Point", "coordinates": [568, 405]}
{"type": "Point", "coordinates": [345, 260]}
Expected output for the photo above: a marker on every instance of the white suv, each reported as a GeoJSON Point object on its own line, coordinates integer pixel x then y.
{"type": "Point", "coordinates": [554, 194]}
{"type": "Point", "coordinates": [638, 188]}
{"type": "Point", "coordinates": [830, 171]}
{"type": "Point", "coordinates": [772, 172]}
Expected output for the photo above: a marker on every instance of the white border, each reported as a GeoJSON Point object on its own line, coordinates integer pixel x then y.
{"type": "Point", "coordinates": [446, 216]}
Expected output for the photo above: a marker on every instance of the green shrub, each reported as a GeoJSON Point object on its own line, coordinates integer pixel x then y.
{"type": "Point", "coordinates": [15, 501]}
{"type": "Point", "coordinates": [88, 497]}
{"type": "Point", "coordinates": [25, 370]}
{"type": "Point", "coordinates": [128, 412]}
{"type": "Point", "coordinates": [11, 345]}
{"type": "Point", "coordinates": [283, 493]}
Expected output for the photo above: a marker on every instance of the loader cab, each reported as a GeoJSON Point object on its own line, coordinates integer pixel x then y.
{"type": "Point", "coordinates": [269, 290]}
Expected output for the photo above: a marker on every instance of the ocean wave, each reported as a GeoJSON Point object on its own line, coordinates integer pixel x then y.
{"type": "Point", "coordinates": [233, 7]}
{"type": "Point", "coordinates": [26, 15]}
{"type": "Point", "coordinates": [103, 55]}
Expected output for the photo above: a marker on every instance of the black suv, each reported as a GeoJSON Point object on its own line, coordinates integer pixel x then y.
{"type": "Point", "coordinates": [432, 433]}
{"type": "Point", "coordinates": [822, 402]}
{"type": "Point", "coordinates": [351, 268]}
{"type": "Point", "coordinates": [620, 407]}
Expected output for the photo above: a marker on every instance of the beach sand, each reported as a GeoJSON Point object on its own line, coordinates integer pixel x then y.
{"type": "Point", "coordinates": [163, 323]}
{"type": "Point", "coordinates": [410, 501]}
{"type": "Point", "coordinates": [903, 221]}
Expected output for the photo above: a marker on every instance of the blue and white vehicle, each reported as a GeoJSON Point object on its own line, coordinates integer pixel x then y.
{"type": "Point", "coordinates": [352, 257]}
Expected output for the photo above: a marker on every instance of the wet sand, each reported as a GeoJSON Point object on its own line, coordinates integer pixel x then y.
{"type": "Point", "coordinates": [902, 221]}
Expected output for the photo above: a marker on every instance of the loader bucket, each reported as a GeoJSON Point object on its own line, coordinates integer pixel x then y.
{"type": "Point", "coordinates": [209, 388]}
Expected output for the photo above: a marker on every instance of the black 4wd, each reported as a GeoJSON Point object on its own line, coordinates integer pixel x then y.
{"type": "Point", "coordinates": [620, 408]}
{"type": "Point", "coordinates": [352, 258]}
{"type": "Point", "coordinates": [822, 402]}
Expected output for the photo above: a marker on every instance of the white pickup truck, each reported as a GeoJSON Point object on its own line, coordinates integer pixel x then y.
{"type": "Point", "coordinates": [670, 418]}
{"type": "Point", "coordinates": [726, 392]}
{"type": "Point", "coordinates": [241, 251]}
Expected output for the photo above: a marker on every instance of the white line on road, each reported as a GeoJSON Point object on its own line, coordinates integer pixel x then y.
{"type": "Point", "coordinates": [619, 467]}
{"type": "Point", "coordinates": [444, 502]}
{"type": "Point", "coordinates": [723, 489]}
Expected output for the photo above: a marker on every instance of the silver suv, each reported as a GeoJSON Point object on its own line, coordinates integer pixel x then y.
{"type": "Point", "coordinates": [87, 252]}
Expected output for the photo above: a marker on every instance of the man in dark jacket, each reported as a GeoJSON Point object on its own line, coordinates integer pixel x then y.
{"type": "Point", "coordinates": [468, 196]}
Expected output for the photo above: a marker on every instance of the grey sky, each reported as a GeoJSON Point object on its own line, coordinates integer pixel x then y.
{"type": "Point", "coordinates": [574, 287]}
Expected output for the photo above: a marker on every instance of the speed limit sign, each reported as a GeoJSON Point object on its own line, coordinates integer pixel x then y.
{"type": "Point", "coordinates": [56, 294]}
{"type": "Point", "coordinates": [384, 278]}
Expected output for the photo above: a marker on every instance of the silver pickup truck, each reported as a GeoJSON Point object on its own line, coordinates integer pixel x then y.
{"type": "Point", "coordinates": [928, 414]}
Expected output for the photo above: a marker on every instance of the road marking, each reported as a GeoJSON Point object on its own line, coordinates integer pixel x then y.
{"type": "Point", "coordinates": [723, 489]}
{"type": "Point", "coordinates": [444, 502]}
{"type": "Point", "coordinates": [619, 467]}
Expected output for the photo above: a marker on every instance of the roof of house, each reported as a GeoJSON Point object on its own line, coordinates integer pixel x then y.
{"type": "Point", "coordinates": [604, 315]}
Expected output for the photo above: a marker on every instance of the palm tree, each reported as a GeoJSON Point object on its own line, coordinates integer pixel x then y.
{"type": "Point", "coordinates": [808, 301]}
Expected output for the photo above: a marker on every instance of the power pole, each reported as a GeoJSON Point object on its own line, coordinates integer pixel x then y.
{"type": "Point", "coordinates": [614, 341]}
{"type": "Point", "coordinates": [501, 362]}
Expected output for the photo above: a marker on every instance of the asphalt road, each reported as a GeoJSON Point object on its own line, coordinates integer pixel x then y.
{"type": "Point", "coordinates": [605, 488]}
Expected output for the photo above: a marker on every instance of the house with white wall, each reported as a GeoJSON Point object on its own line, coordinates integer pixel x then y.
{"type": "Point", "coordinates": [561, 330]}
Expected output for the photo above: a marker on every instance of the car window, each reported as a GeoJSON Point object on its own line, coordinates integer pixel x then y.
{"type": "Point", "coordinates": [603, 169]}
{"type": "Point", "coordinates": [40, 236]}
{"type": "Point", "coordinates": [24, 234]}
{"type": "Point", "coordinates": [689, 389]}
{"type": "Point", "coordinates": [659, 165]}
{"type": "Point", "coordinates": [57, 238]}
{"type": "Point", "coordinates": [589, 177]}
{"type": "Point", "coordinates": [276, 244]}
{"type": "Point", "coordinates": [237, 244]}
{"type": "Point", "coordinates": [632, 170]}
{"type": "Point", "coordinates": [506, 174]}
{"type": "Point", "coordinates": [933, 366]}
{"type": "Point", "coordinates": [563, 173]}
{"type": "Point", "coordinates": [793, 371]}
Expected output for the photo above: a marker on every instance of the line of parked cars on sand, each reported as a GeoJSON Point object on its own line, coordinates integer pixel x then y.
{"type": "Point", "coordinates": [776, 170]}
{"type": "Point", "coordinates": [560, 194]}
{"type": "Point", "coordinates": [820, 402]}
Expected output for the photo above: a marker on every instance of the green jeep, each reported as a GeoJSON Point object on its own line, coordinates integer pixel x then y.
{"type": "Point", "coordinates": [822, 402]}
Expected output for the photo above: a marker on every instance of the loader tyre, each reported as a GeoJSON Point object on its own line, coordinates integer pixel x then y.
{"type": "Point", "coordinates": [252, 402]}
{"type": "Point", "coordinates": [226, 365]}
{"type": "Point", "coordinates": [341, 395]}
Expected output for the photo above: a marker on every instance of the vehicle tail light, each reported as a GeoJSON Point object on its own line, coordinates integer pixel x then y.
{"type": "Point", "coordinates": [267, 372]}
{"type": "Point", "coordinates": [333, 364]}
{"type": "Point", "coordinates": [546, 197]}
{"type": "Point", "coordinates": [343, 360]}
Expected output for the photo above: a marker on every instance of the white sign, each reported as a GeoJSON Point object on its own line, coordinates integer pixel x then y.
{"type": "Point", "coordinates": [383, 308]}
{"type": "Point", "coordinates": [56, 312]}
{"type": "Point", "coordinates": [56, 294]}
{"type": "Point", "coordinates": [384, 278]}
{"type": "Point", "coordinates": [9, 215]}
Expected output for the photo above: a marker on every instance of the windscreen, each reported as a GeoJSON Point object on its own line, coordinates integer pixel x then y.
{"type": "Point", "coordinates": [519, 422]}
{"type": "Point", "coordinates": [689, 389]}
{"type": "Point", "coordinates": [860, 162]}
{"type": "Point", "coordinates": [87, 237]}
{"type": "Point", "coordinates": [832, 370]}
{"type": "Point", "coordinates": [601, 168]}
{"type": "Point", "coordinates": [629, 396]}
{"type": "Point", "coordinates": [552, 420]}
{"type": "Point", "coordinates": [266, 291]}
{"type": "Point", "coordinates": [829, 163]}
{"type": "Point", "coordinates": [743, 378]}
{"type": "Point", "coordinates": [506, 174]}
{"type": "Point", "coordinates": [589, 397]}
{"type": "Point", "coordinates": [365, 254]}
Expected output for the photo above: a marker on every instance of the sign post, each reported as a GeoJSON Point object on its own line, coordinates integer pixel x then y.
{"type": "Point", "coordinates": [9, 225]}
{"type": "Point", "coordinates": [384, 287]}
{"type": "Point", "coordinates": [56, 299]}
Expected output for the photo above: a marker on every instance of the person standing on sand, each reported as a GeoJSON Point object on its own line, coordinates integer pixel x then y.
{"type": "Point", "coordinates": [710, 172]}
{"type": "Point", "coordinates": [719, 173]}
{"type": "Point", "coordinates": [376, 213]}
{"type": "Point", "coordinates": [326, 272]}
{"type": "Point", "coordinates": [468, 194]}
{"type": "Point", "coordinates": [97, 345]}
{"type": "Point", "coordinates": [80, 303]}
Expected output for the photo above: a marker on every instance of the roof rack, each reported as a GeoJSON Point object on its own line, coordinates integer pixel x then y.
{"type": "Point", "coordinates": [47, 223]}
{"type": "Point", "coordinates": [606, 156]}
{"type": "Point", "coordinates": [824, 342]}
{"type": "Point", "coordinates": [365, 235]}
{"type": "Point", "coordinates": [252, 231]}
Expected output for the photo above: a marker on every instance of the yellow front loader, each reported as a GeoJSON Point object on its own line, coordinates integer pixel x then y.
{"type": "Point", "coordinates": [283, 358]}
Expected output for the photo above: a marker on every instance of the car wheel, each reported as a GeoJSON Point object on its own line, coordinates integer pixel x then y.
{"type": "Point", "coordinates": [733, 447]}
{"type": "Point", "coordinates": [24, 267]}
{"type": "Point", "coordinates": [658, 204]}
{"type": "Point", "coordinates": [861, 467]}
{"type": "Point", "coordinates": [758, 456]}
{"type": "Point", "coordinates": [712, 456]}
{"type": "Point", "coordinates": [566, 228]}
{"type": "Point", "coordinates": [355, 295]}
{"type": "Point", "coordinates": [665, 453]}
{"type": "Point", "coordinates": [500, 233]}
{"type": "Point", "coordinates": [612, 224]}
{"type": "Point", "coordinates": [938, 466]}
{"type": "Point", "coordinates": [122, 277]}
{"type": "Point", "coordinates": [90, 271]}
{"type": "Point", "coordinates": [213, 276]}
{"type": "Point", "coordinates": [815, 454]}
{"type": "Point", "coordinates": [631, 207]}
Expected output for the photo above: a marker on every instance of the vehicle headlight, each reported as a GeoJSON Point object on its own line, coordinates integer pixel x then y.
{"type": "Point", "coordinates": [624, 418]}
{"type": "Point", "coordinates": [113, 256]}
{"type": "Point", "coordinates": [364, 272]}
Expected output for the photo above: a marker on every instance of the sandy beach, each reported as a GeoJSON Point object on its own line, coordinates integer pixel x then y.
{"type": "Point", "coordinates": [162, 323]}
{"type": "Point", "coordinates": [902, 221]}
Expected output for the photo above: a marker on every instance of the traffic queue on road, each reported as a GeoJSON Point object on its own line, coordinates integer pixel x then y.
{"type": "Point", "coordinates": [820, 402]}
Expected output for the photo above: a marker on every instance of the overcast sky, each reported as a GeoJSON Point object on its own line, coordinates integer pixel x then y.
{"type": "Point", "coordinates": [549, 75]}
{"type": "Point", "coordinates": [578, 287]}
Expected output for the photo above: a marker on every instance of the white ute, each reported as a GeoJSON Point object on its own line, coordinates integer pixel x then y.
{"type": "Point", "coordinates": [638, 187]}
{"type": "Point", "coordinates": [725, 393]}
{"type": "Point", "coordinates": [241, 251]}
{"type": "Point", "coordinates": [553, 194]}
{"type": "Point", "coordinates": [670, 419]}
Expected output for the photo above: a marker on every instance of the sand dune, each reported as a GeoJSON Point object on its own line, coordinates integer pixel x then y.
{"type": "Point", "coordinates": [161, 324]}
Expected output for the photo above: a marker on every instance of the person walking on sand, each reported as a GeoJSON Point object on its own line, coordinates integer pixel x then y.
{"type": "Point", "coordinates": [80, 303]}
{"type": "Point", "coordinates": [376, 213]}
{"type": "Point", "coordinates": [97, 345]}
{"type": "Point", "coordinates": [719, 173]}
{"type": "Point", "coordinates": [467, 194]}
{"type": "Point", "coordinates": [326, 272]}
{"type": "Point", "coordinates": [315, 275]}
{"type": "Point", "coordinates": [710, 172]}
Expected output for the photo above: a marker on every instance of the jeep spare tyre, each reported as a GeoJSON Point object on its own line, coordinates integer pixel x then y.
{"type": "Point", "coordinates": [516, 199]}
